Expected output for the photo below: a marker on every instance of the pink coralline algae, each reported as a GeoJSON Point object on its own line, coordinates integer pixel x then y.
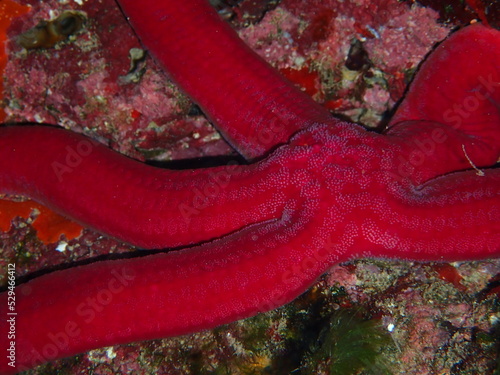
{"type": "Point", "coordinates": [436, 325]}
{"type": "Point", "coordinates": [85, 84]}
{"type": "Point", "coordinates": [80, 84]}
{"type": "Point", "coordinates": [388, 50]}
{"type": "Point", "coordinates": [318, 35]}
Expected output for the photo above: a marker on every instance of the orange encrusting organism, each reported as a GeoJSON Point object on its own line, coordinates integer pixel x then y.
{"type": "Point", "coordinates": [48, 224]}
{"type": "Point", "coordinates": [8, 11]}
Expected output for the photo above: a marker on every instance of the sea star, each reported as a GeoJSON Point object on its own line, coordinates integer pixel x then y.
{"type": "Point", "coordinates": [326, 191]}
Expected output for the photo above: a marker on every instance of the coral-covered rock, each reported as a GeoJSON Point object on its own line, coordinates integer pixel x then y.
{"type": "Point", "coordinates": [89, 83]}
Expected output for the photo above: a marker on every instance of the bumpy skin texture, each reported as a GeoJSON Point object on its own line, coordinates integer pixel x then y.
{"type": "Point", "coordinates": [263, 232]}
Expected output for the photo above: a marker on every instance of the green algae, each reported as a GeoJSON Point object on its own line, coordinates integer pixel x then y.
{"type": "Point", "coordinates": [351, 344]}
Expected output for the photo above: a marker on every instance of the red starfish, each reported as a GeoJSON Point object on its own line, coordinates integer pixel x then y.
{"type": "Point", "coordinates": [333, 192]}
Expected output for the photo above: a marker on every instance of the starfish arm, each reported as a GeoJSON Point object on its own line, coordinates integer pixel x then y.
{"type": "Point", "coordinates": [167, 294]}
{"type": "Point", "coordinates": [452, 217]}
{"type": "Point", "coordinates": [145, 206]}
{"type": "Point", "coordinates": [456, 89]}
{"type": "Point", "coordinates": [429, 149]}
{"type": "Point", "coordinates": [270, 228]}
{"type": "Point", "coordinates": [250, 103]}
